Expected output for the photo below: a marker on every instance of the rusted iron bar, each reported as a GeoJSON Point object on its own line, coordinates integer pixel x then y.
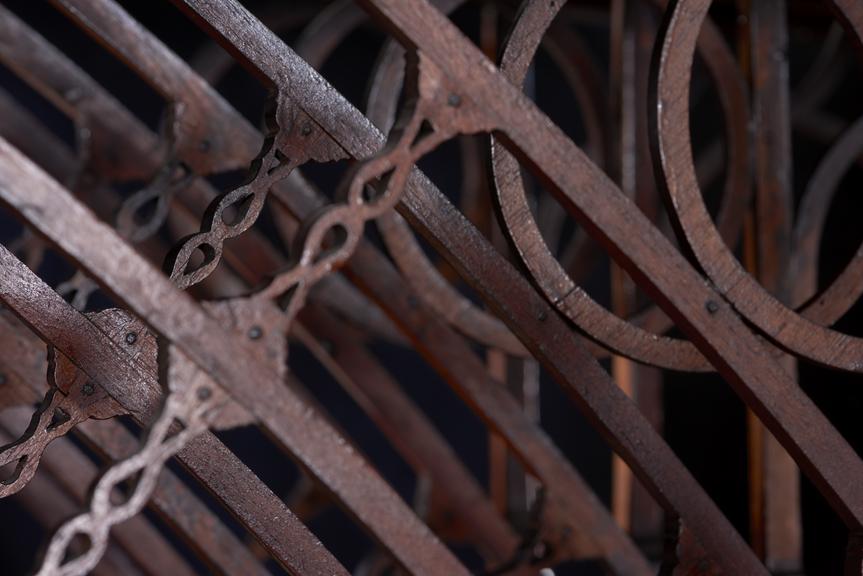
{"type": "Point", "coordinates": [239, 28]}
{"type": "Point", "coordinates": [299, 268]}
{"type": "Point", "coordinates": [231, 481]}
{"type": "Point", "coordinates": [49, 504]}
{"type": "Point", "coordinates": [231, 362]}
{"type": "Point", "coordinates": [650, 258]}
{"type": "Point", "coordinates": [370, 384]}
{"type": "Point", "coordinates": [74, 473]}
{"type": "Point", "coordinates": [458, 365]}
{"type": "Point", "coordinates": [94, 17]}
{"type": "Point", "coordinates": [778, 516]}
{"type": "Point", "coordinates": [121, 148]}
{"type": "Point", "coordinates": [493, 527]}
{"type": "Point", "coordinates": [23, 355]}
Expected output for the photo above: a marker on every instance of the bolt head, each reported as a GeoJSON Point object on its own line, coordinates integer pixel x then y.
{"type": "Point", "coordinates": [540, 550]}
{"type": "Point", "coordinates": [131, 338]}
{"type": "Point", "coordinates": [255, 333]}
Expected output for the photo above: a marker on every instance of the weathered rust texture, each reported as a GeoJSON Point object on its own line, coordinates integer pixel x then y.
{"type": "Point", "coordinates": [176, 317]}
{"type": "Point", "coordinates": [182, 366]}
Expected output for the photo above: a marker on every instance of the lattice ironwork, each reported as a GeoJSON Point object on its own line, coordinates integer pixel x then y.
{"type": "Point", "coordinates": [211, 285]}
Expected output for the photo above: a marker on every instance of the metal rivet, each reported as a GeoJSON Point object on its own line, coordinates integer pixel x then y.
{"type": "Point", "coordinates": [72, 95]}
{"type": "Point", "coordinates": [88, 388]}
{"type": "Point", "coordinates": [307, 129]}
{"type": "Point", "coordinates": [454, 100]}
{"type": "Point", "coordinates": [540, 550]}
{"type": "Point", "coordinates": [542, 316]}
{"type": "Point", "coordinates": [712, 306]}
{"type": "Point", "coordinates": [131, 338]}
{"type": "Point", "coordinates": [255, 332]}
{"type": "Point", "coordinates": [204, 393]}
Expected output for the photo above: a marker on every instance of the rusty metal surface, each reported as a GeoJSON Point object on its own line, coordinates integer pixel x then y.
{"type": "Point", "coordinates": [145, 288]}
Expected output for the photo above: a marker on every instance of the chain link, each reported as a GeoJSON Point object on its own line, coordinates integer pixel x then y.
{"type": "Point", "coordinates": [196, 406]}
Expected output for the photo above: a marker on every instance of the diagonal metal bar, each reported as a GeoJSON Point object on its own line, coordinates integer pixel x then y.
{"type": "Point", "coordinates": [226, 357]}
{"type": "Point", "coordinates": [525, 311]}
{"type": "Point", "coordinates": [74, 473]}
{"type": "Point", "coordinates": [218, 469]}
{"type": "Point", "coordinates": [818, 448]}
{"type": "Point", "coordinates": [23, 353]}
{"type": "Point", "coordinates": [97, 18]}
